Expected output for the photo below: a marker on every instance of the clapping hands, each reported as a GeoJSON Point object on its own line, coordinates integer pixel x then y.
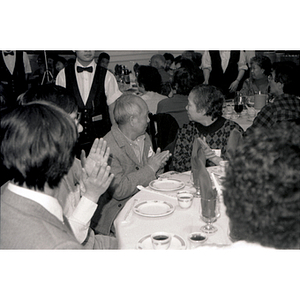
{"type": "Point", "coordinates": [98, 153]}
{"type": "Point", "coordinates": [95, 178]}
{"type": "Point", "coordinates": [159, 159]}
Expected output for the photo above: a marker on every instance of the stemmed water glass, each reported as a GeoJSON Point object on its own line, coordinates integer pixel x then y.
{"type": "Point", "coordinates": [209, 214]}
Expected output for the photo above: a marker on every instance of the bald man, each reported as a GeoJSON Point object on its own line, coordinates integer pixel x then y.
{"type": "Point", "coordinates": [132, 159]}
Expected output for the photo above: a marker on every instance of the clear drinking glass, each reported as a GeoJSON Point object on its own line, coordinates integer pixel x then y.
{"type": "Point", "coordinates": [238, 105]}
{"type": "Point", "coordinates": [209, 214]}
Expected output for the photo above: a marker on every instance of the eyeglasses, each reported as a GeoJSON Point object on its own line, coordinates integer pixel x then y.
{"type": "Point", "coordinates": [78, 116]}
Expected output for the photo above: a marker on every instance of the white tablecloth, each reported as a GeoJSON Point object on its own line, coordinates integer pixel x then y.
{"type": "Point", "coordinates": [181, 222]}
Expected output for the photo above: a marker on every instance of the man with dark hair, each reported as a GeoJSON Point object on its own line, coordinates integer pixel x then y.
{"type": "Point", "coordinates": [95, 90]}
{"type": "Point", "coordinates": [149, 84]}
{"type": "Point", "coordinates": [169, 60]}
{"type": "Point", "coordinates": [76, 207]}
{"type": "Point", "coordinates": [262, 188]}
{"type": "Point", "coordinates": [103, 60]}
{"type": "Point", "coordinates": [286, 105]}
{"type": "Point", "coordinates": [39, 156]}
{"type": "Point", "coordinates": [183, 82]}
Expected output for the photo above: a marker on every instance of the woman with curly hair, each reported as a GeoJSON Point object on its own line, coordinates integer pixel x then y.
{"type": "Point", "coordinates": [262, 188]}
{"type": "Point", "coordinates": [258, 81]}
{"type": "Point", "coordinates": [204, 111]}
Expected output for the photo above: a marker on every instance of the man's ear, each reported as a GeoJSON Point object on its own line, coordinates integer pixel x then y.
{"type": "Point", "coordinates": [132, 120]}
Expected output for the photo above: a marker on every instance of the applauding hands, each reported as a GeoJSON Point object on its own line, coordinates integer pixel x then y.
{"type": "Point", "coordinates": [159, 159]}
{"type": "Point", "coordinates": [95, 177]}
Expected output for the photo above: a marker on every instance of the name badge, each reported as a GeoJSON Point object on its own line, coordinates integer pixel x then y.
{"type": "Point", "coordinates": [150, 153]}
{"type": "Point", "coordinates": [97, 118]}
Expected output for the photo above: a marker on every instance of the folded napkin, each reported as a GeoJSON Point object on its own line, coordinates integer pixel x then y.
{"type": "Point", "coordinates": [235, 138]}
{"type": "Point", "coordinates": [200, 175]}
{"type": "Point", "coordinates": [209, 153]}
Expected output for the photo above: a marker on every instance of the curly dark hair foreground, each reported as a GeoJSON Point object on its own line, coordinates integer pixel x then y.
{"type": "Point", "coordinates": [262, 188]}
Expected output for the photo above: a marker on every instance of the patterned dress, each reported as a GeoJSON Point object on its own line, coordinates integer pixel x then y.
{"type": "Point", "coordinates": [216, 136]}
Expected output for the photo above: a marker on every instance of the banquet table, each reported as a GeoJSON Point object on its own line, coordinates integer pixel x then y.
{"type": "Point", "coordinates": [133, 230]}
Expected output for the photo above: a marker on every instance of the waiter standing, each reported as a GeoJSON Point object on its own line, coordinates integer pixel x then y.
{"type": "Point", "coordinates": [14, 72]}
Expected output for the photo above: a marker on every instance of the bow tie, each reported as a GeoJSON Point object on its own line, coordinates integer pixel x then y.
{"type": "Point", "coordinates": [8, 53]}
{"type": "Point", "coordinates": [88, 69]}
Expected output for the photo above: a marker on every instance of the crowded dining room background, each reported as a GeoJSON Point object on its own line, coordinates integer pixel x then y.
{"type": "Point", "coordinates": [155, 138]}
{"type": "Point", "coordinates": [141, 118]}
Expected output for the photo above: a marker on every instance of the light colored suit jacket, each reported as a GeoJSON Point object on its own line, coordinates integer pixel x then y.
{"type": "Point", "coordinates": [25, 224]}
{"type": "Point", "coordinates": [129, 173]}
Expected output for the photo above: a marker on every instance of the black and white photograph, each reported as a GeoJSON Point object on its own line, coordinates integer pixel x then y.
{"type": "Point", "coordinates": [172, 145]}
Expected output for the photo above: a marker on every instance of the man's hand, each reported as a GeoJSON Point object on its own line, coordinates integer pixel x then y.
{"type": "Point", "coordinates": [98, 153]}
{"type": "Point", "coordinates": [93, 186]}
{"type": "Point", "coordinates": [159, 159]}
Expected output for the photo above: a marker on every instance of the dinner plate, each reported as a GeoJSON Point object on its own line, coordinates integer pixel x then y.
{"type": "Point", "coordinates": [166, 184]}
{"type": "Point", "coordinates": [153, 208]}
{"type": "Point", "coordinates": [177, 243]}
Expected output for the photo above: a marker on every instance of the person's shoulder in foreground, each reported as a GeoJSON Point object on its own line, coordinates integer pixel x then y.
{"type": "Point", "coordinates": [31, 216]}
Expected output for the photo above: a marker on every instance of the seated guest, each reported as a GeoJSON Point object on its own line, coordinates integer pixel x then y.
{"type": "Point", "coordinates": [262, 190]}
{"type": "Point", "coordinates": [76, 207]}
{"type": "Point", "coordinates": [260, 67]}
{"type": "Point", "coordinates": [133, 161]}
{"type": "Point", "coordinates": [39, 156]}
{"type": "Point", "coordinates": [286, 105]}
{"type": "Point", "coordinates": [169, 61]}
{"type": "Point", "coordinates": [158, 61]}
{"type": "Point", "coordinates": [183, 82]}
{"type": "Point", "coordinates": [149, 84]}
{"type": "Point", "coordinates": [204, 110]}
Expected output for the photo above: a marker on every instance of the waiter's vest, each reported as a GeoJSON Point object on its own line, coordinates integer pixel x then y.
{"type": "Point", "coordinates": [94, 114]}
{"type": "Point", "coordinates": [13, 84]}
{"type": "Point", "coordinates": [217, 77]}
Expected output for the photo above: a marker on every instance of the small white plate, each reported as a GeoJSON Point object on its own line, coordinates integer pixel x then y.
{"type": "Point", "coordinates": [177, 243]}
{"type": "Point", "coordinates": [166, 185]}
{"type": "Point", "coordinates": [153, 208]}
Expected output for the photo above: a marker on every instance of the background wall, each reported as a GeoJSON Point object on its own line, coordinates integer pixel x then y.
{"type": "Point", "coordinates": [142, 57]}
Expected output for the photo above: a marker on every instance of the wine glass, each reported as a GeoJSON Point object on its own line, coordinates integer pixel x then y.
{"type": "Point", "coordinates": [238, 105]}
{"type": "Point", "coordinates": [209, 214]}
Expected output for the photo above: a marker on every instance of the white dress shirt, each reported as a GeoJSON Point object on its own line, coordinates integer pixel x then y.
{"type": "Point", "coordinates": [225, 56]}
{"type": "Point", "coordinates": [85, 80]}
{"type": "Point", "coordinates": [10, 61]}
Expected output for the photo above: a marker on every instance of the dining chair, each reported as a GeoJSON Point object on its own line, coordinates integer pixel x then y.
{"type": "Point", "coordinates": [162, 129]}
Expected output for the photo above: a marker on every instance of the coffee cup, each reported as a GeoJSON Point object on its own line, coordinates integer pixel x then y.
{"type": "Point", "coordinates": [185, 199]}
{"type": "Point", "coordinates": [260, 101]}
{"type": "Point", "coordinates": [161, 240]}
{"type": "Point", "coordinates": [196, 239]}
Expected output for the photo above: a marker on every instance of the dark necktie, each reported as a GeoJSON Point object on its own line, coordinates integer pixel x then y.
{"type": "Point", "coordinates": [88, 69]}
{"type": "Point", "coordinates": [8, 53]}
